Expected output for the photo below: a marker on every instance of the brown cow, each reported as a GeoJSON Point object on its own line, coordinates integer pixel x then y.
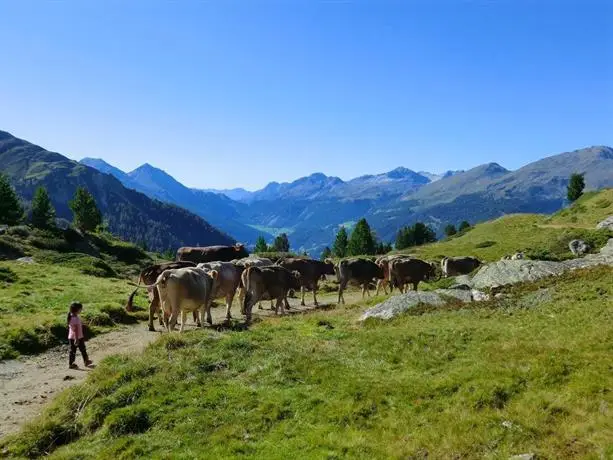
{"type": "Point", "coordinates": [149, 275]}
{"type": "Point", "coordinates": [212, 253]}
{"type": "Point", "coordinates": [361, 271]}
{"type": "Point", "coordinates": [271, 282]}
{"type": "Point", "coordinates": [384, 262]}
{"type": "Point", "coordinates": [310, 271]}
{"type": "Point", "coordinates": [411, 271]}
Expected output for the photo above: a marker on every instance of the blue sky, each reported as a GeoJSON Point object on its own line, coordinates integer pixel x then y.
{"type": "Point", "coordinates": [239, 93]}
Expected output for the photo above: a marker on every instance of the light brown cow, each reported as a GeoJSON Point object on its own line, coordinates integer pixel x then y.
{"type": "Point", "coordinates": [228, 281]}
{"type": "Point", "coordinates": [183, 290]}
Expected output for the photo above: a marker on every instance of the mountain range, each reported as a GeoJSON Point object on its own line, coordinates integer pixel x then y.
{"type": "Point", "coordinates": [311, 208]}
{"type": "Point", "coordinates": [130, 214]}
{"type": "Point", "coordinates": [149, 205]}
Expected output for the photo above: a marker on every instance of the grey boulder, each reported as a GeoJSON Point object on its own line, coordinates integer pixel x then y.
{"type": "Point", "coordinates": [606, 224]}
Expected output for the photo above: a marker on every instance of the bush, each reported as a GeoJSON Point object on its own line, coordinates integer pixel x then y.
{"type": "Point", "coordinates": [50, 243]}
{"type": "Point", "coordinates": [485, 244]}
{"type": "Point", "coordinates": [19, 230]}
{"type": "Point", "coordinates": [127, 421]}
{"type": "Point", "coordinates": [10, 250]}
{"type": "Point", "coordinates": [7, 275]}
{"type": "Point", "coordinates": [122, 251]}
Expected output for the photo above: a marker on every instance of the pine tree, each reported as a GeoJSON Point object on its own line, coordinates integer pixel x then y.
{"type": "Point", "coordinates": [281, 243]}
{"type": "Point", "coordinates": [11, 210]}
{"type": "Point", "coordinates": [576, 184]}
{"type": "Point", "coordinates": [43, 213]}
{"type": "Point", "coordinates": [361, 241]}
{"type": "Point", "coordinates": [326, 253]}
{"type": "Point", "coordinates": [450, 230]}
{"type": "Point", "coordinates": [464, 226]}
{"type": "Point", "coordinates": [260, 245]}
{"type": "Point", "coordinates": [339, 249]}
{"type": "Point", "coordinates": [87, 216]}
{"type": "Point", "coordinates": [423, 234]}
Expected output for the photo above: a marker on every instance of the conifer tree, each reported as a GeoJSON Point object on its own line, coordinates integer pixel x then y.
{"type": "Point", "coordinates": [43, 212]}
{"type": "Point", "coordinates": [87, 216]}
{"type": "Point", "coordinates": [11, 210]}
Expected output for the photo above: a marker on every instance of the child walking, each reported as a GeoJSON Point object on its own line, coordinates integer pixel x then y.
{"type": "Point", "coordinates": [75, 335]}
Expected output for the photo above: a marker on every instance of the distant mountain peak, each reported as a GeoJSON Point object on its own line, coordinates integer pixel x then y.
{"type": "Point", "coordinates": [401, 172]}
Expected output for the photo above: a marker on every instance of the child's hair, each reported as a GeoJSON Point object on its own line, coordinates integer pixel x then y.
{"type": "Point", "coordinates": [75, 307]}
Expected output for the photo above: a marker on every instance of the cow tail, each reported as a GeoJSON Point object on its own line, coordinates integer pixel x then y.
{"type": "Point", "coordinates": [130, 302]}
{"type": "Point", "coordinates": [248, 294]}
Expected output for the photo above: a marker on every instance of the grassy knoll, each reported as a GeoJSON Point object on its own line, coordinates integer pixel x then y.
{"type": "Point", "coordinates": [489, 380]}
{"type": "Point", "coordinates": [539, 236]}
{"type": "Point", "coordinates": [588, 210]}
{"type": "Point", "coordinates": [35, 299]}
{"type": "Point", "coordinates": [519, 232]}
{"type": "Point", "coordinates": [97, 254]}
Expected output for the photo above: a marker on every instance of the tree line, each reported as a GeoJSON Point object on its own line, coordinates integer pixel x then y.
{"type": "Point", "coordinates": [86, 215]}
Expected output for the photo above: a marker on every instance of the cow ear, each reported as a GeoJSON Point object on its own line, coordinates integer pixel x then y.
{"type": "Point", "coordinates": [213, 274]}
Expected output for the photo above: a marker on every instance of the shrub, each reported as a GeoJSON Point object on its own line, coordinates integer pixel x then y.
{"type": "Point", "coordinates": [10, 250]}
{"type": "Point", "coordinates": [7, 275]}
{"type": "Point", "coordinates": [485, 244]}
{"type": "Point", "coordinates": [19, 230]}
{"type": "Point", "coordinates": [127, 421]}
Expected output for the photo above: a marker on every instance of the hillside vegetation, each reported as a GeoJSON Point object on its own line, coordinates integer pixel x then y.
{"type": "Point", "coordinates": [539, 236]}
{"type": "Point", "coordinates": [589, 210]}
{"type": "Point", "coordinates": [487, 380]}
{"type": "Point", "coordinates": [131, 215]}
{"type": "Point", "coordinates": [67, 266]}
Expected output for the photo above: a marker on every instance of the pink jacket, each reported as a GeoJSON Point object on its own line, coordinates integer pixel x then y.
{"type": "Point", "coordinates": [75, 328]}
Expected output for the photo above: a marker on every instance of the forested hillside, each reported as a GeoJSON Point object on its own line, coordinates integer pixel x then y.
{"type": "Point", "coordinates": [131, 215]}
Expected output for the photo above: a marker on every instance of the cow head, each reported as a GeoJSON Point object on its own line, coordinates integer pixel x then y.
{"type": "Point", "coordinates": [434, 274]}
{"type": "Point", "coordinates": [296, 277]}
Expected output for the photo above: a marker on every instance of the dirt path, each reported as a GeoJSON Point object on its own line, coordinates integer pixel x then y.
{"type": "Point", "coordinates": [29, 383]}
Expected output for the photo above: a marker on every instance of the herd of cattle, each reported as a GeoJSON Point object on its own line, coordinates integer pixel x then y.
{"type": "Point", "coordinates": [200, 275]}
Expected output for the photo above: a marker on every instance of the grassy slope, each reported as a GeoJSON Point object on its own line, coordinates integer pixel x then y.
{"type": "Point", "coordinates": [591, 208]}
{"type": "Point", "coordinates": [489, 381]}
{"type": "Point", "coordinates": [35, 297]}
{"type": "Point", "coordinates": [541, 237]}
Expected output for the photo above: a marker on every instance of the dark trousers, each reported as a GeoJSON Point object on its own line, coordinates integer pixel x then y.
{"type": "Point", "coordinates": [80, 344]}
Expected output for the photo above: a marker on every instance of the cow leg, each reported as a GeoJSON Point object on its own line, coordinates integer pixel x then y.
{"type": "Point", "coordinates": [378, 287]}
{"type": "Point", "coordinates": [209, 318]}
{"type": "Point", "coordinates": [196, 318]}
{"type": "Point", "coordinates": [315, 294]}
{"type": "Point", "coordinates": [280, 303]}
{"type": "Point", "coordinates": [153, 305]}
{"type": "Point", "coordinates": [173, 319]}
{"type": "Point", "coordinates": [229, 299]}
{"type": "Point", "coordinates": [341, 288]}
{"type": "Point", "coordinates": [183, 320]}
{"type": "Point", "coordinates": [302, 291]}
{"type": "Point", "coordinates": [415, 284]}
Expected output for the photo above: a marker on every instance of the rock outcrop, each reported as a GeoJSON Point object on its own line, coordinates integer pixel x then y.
{"type": "Point", "coordinates": [606, 224]}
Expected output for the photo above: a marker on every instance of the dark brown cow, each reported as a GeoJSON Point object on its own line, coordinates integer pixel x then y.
{"type": "Point", "coordinates": [361, 271]}
{"type": "Point", "coordinates": [149, 275]}
{"type": "Point", "coordinates": [262, 283]}
{"type": "Point", "coordinates": [311, 271]}
{"type": "Point", "coordinates": [411, 271]}
{"type": "Point", "coordinates": [212, 253]}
